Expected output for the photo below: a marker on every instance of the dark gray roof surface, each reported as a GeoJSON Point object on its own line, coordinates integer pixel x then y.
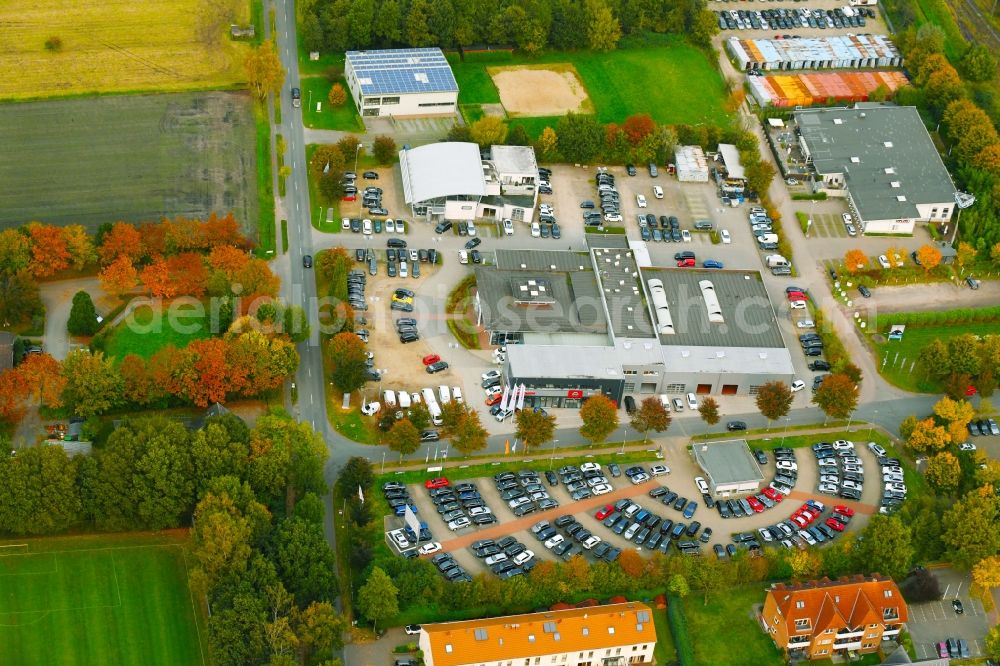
{"type": "Point", "coordinates": [727, 462]}
{"type": "Point", "coordinates": [618, 276]}
{"type": "Point", "coordinates": [749, 319]}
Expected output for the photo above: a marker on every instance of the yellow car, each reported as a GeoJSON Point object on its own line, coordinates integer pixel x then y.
{"type": "Point", "coordinates": [402, 299]}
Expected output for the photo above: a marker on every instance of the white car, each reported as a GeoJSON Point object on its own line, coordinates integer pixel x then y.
{"type": "Point", "coordinates": [491, 374]}
{"type": "Point", "coordinates": [463, 257]}
{"type": "Point", "coordinates": [596, 481]}
{"type": "Point", "coordinates": [479, 510]}
{"type": "Point", "coordinates": [459, 523]}
{"type": "Point", "coordinates": [808, 538]}
{"type": "Point", "coordinates": [702, 485]}
{"type": "Point", "coordinates": [876, 449]}
{"type": "Point", "coordinates": [601, 489]}
{"type": "Point", "coordinates": [403, 269]}
{"type": "Point", "coordinates": [805, 323]}
{"type": "Point", "coordinates": [400, 229]}
{"type": "Point", "coordinates": [657, 191]}
{"type": "Point", "coordinates": [370, 408]}
{"type": "Point", "coordinates": [345, 222]}
{"type": "Point", "coordinates": [781, 488]}
{"type": "Point", "coordinates": [967, 446]}
{"type": "Point", "coordinates": [518, 501]}
{"type": "Point", "coordinates": [765, 534]}
{"type": "Point", "coordinates": [685, 236]}
{"type": "Point", "coordinates": [692, 401]}
{"type": "Point", "coordinates": [843, 445]}
{"type": "Point", "coordinates": [829, 478]}
{"type": "Point", "coordinates": [797, 305]}
{"type": "Point", "coordinates": [366, 226]}
{"type": "Point", "coordinates": [612, 217]}
{"type": "Point", "coordinates": [591, 541]}
{"type": "Point", "coordinates": [399, 539]}
{"type": "Point", "coordinates": [854, 469]}
{"type": "Point", "coordinates": [414, 256]}
{"type": "Point", "coordinates": [536, 230]}
{"type": "Point", "coordinates": [791, 181]}
{"type": "Point", "coordinates": [659, 470]}
{"type": "Point", "coordinates": [898, 487]}
{"type": "Point", "coordinates": [786, 464]}
{"type": "Point", "coordinates": [797, 385]}
{"type": "Point", "coordinates": [429, 548]}
{"type": "Point", "coordinates": [523, 557]}
{"type": "Point", "coordinates": [847, 218]}
{"type": "Point", "coordinates": [390, 226]}
{"type": "Point", "coordinates": [853, 485]}
{"type": "Point", "coordinates": [546, 209]}
{"type": "Point", "coordinates": [630, 532]}
{"type": "Point", "coordinates": [493, 390]}
{"type": "Point", "coordinates": [640, 201]}
{"type": "Point", "coordinates": [456, 394]}
{"type": "Point", "coordinates": [495, 559]}
{"type": "Point", "coordinates": [641, 477]}
{"type": "Point", "coordinates": [554, 541]}
{"type": "Point", "coordinates": [828, 488]}
{"type": "Point", "coordinates": [471, 229]}
{"type": "Point", "coordinates": [508, 227]}
{"type": "Point", "coordinates": [501, 416]}
{"type": "Point", "coordinates": [892, 478]}
{"type": "Point", "coordinates": [724, 235]}
{"type": "Point", "coordinates": [883, 261]}
{"type": "Point", "coordinates": [590, 467]}
{"type": "Point", "coordinates": [851, 460]}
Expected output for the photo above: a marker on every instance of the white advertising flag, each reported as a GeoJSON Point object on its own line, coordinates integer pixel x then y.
{"type": "Point", "coordinates": [504, 399]}
{"type": "Point", "coordinates": [361, 494]}
{"type": "Point", "coordinates": [520, 397]}
{"type": "Point", "coordinates": [411, 520]}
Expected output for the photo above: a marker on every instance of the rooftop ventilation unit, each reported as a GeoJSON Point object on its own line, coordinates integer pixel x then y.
{"type": "Point", "coordinates": [855, 160]}
{"type": "Point", "coordinates": [901, 198]}
{"type": "Point", "coordinates": [895, 183]}
{"type": "Point", "coordinates": [887, 144]}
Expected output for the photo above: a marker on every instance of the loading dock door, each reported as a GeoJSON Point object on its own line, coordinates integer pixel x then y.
{"type": "Point", "coordinates": [703, 389]}
{"type": "Point", "coordinates": [729, 389]}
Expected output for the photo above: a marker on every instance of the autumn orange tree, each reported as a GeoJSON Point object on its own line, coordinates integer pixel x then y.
{"type": "Point", "coordinates": [203, 373]}
{"type": "Point", "coordinates": [156, 278]}
{"type": "Point", "coordinates": [855, 260]}
{"type": "Point", "coordinates": [637, 127]}
{"type": "Point", "coordinates": [929, 256]}
{"type": "Point", "coordinates": [119, 277]}
{"type": "Point", "coordinates": [49, 251]}
{"type": "Point", "coordinates": [122, 240]}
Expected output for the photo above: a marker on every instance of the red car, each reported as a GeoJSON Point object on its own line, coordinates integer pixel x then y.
{"type": "Point", "coordinates": [797, 296]}
{"type": "Point", "coordinates": [685, 263]}
{"type": "Point", "coordinates": [844, 510]}
{"type": "Point", "coordinates": [800, 520]}
{"type": "Point", "coordinates": [439, 482]}
{"type": "Point", "coordinates": [493, 399]}
{"type": "Point", "coordinates": [605, 512]}
{"type": "Point", "coordinates": [835, 524]}
{"type": "Point", "coordinates": [971, 390]}
{"type": "Point", "coordinates": [773, 494]}
{"type": "Point", "coordinates": [755, 504]}
{"type": "Point", "coordinates": [431, 358]}
{"type": "Point", "coordinates": [350, 197]}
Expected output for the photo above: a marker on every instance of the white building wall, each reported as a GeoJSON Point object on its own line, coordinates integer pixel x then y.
{"type": "Point", "coordinates": [419, 104]}
{"type": "Point", "coordinates": [637, 654]}
{"type": "Point", "coordinates": [460, 210]}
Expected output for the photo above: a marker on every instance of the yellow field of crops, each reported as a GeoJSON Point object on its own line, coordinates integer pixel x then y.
{"type": "Point", "coordinates": [116, 45]}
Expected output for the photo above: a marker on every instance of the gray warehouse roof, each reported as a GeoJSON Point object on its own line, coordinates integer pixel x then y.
{"type": "Point", "coordinates": [543, 260]}
{"type": "Point", "coordinates": [886, 155]}
{"type": "Point", "coordinates": [727, 462]}
{"type": "Point", "coordinates": [514, 159]}
{"type": "Point", "coordinates": [618, 276]}
{"type": "Point", "coordinates": [439, 170]}
{"type": "Point", "coordinates": [749, 319]}
{"type": "Point", "coordinates": [402, 71]}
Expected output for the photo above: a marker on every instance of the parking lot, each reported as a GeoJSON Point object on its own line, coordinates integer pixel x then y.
{"type": "Point", "coordinates": [935, 621]}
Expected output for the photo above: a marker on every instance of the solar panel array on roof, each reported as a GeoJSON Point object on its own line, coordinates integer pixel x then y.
{"type": "Point", "coordinates": [401, 71]}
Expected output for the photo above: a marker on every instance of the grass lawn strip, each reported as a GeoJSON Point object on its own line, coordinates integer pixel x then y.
{"type": "Point", "coordinates": [98, 602]}
{"type": "Point", "coordinates": [316, 89]}
{"type": "Point", "coordinates": [726, 630]}
{"type": "Point", "coordinates": [151, 331]}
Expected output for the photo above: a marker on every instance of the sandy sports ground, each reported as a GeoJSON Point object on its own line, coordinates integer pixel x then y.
{"type": "Point", "coordinates": [541, 90]}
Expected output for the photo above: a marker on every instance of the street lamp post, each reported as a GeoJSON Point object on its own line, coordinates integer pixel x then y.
{"type": "Point", "coordinates": [553, 461]}
{"type": "Point", "coordinates": [383, 463]}
{"type": "Point", "coordinates": [356, 152]}
{"type": "Point", "coordinates": [624, 437]}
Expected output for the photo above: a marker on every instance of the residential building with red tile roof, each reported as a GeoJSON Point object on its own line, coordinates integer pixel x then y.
{"type": "Point", "coordinates": [819, 619]}
{"type": "Point", "coordinates": [609, 635]}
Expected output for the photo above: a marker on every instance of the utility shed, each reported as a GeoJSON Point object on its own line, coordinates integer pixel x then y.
{"type": "Point", "coordinates": [692, 165]}
{"type": "Point", "coordinates": [729, 467]}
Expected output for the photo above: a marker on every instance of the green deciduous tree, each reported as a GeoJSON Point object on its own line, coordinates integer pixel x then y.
{"type": "Point", "coordinates": [347, 354]}
{"type": "Point", "coordinates": [488, 131]}
{"type": "Point", "coordinates": [38, 491]}
{"type": "Point", "coordinates": [886, 547]}
{"type": "Point", "coordinates": [600, 418]}
{"type": "Point", "coordinates": [384, 149]}
{"type": "Point", "coordinates": [580, 137]}
{"type": "Point", "coordinates": [979, 63]}
{"type": "Point", "coordinates": [709, 410]}
{"type": "Point", "coordinates": [264, 71]}
{"type": "Point", "coordinates": [943, 472]}
{"type": "Point", "coordinates": [286, 461]}
{"type": "Point", "coordinates": [970, 527]}
{"type": "Point", "coordinates": [651, 415]}
{"type": "Point", "coordinates": [93, 384]}
{"type": "Point", "coordinates": [470, 435]}
{"type": "Point", "coordinates": [403, 437]}
{"type": "Point", "coordinates": [377, 598]}
{"type": "Point", "coordinates": [602, 28]}
{"type": "Point", "coordinates": [304, 561]}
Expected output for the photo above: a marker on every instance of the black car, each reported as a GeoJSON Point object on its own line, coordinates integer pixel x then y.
{"type": "Point", "coordinates": [430, 436]}
{"type": "Point", "coordinates": [736, 425]}
{"type": "Point", "coordinates": [307, 261]}
{"type": "Point", "coordinates": [865, 291]}
{"type": "Point", "coordinates": [370, 175]}
{"type": "Point", "coordinates": [436, 367]}
{"type": "Point", "coordinates": [760, 456]}
{"type": "Point", "coordinates": [587, 204]}
{"type": "Point", "coordinates": [551, 477]}
{"type": "Point", "coordinates": [820, 365]}
{"type": "Point", "coordinates": [630, 169]}
{"type": "Point", "coordinates": [473, 242]}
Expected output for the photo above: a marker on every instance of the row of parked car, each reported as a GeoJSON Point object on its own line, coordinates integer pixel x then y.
{"type": "Point", "coordinates": [610, 201]}
{"type": "Point", "coordinates": [507, 557]}
{"type": "Point", "coordinates": [793, 19]}
{"type": "Point", "coordinates": [841, 471]}
{"type": "Point", "coordinates": [648, 530]}
{"type": "Point", "coordinates": [805, 527]}
{"type": "Point", "coordinates": [461, 506]}
{"type": "Point", "coordinates": [523, 492]}
{"type": "Point", "coordinates": [566, 537]}
{"type": "Point", "coordinates": [368, 227]}
{"type": "Point", "coordinates": [584, 481]}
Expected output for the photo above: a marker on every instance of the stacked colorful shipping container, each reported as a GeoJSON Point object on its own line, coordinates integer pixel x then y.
{"type": "Point", "coordinates": [822, 88]}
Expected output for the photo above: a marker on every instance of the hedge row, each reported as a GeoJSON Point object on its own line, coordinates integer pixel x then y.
{"type": "Point", "coordinates": [941, 318]}
{"type": "Point", "coordinates": [679, 630]}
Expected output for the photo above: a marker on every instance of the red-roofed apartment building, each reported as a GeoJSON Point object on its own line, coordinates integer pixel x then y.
{"type": "Point", "coordinates": [821, 618]}
{"type": "Point", "coordinates": [611, 635]}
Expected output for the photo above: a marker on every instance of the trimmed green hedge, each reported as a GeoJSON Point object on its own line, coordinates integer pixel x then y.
{"type": "Point", "coordinates": [679, 630]}
{"type": "Point", "coordinates": [941, 318]}
{"type": "Point", "coordinates": [805, 196]}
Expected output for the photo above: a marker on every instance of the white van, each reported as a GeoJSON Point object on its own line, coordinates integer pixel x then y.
{"type": "Point", "coordinates": [435, 411]}
{"type": "Point", "coordinates": [471, 229]}
{"type": "Point", "coordinates": [767, 238]}
{"type": "Point", "coordinates": [404, 400]}
{"type": "Point", "coordinates": [444, 394]}
{"type": "Point", "coordinates": [775, 260]}
{"type": "Point", "coordinates": [428, 396]}
{"type": "Point", "coordinates": [415, 398]}
{"type": "Point", "coordinates": [389, 397]}
{"type": "Point", "coordinates": [456, 394]}
{"type": "Point", "coordinates": [665, 401]}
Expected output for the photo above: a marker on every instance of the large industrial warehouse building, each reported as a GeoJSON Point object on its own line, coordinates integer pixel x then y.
{"type": "Point", "coordinates": [883, 160]}
{"type": "Point", "coordinates": [401, 82]}
{"type": "Point", "coordinates": [578, 324]}
{"type": "Point", "coordinates": [452, 181]}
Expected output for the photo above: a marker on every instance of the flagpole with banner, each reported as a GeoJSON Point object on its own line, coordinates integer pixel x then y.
{"type": "Point", "coordinates": [361, 494]}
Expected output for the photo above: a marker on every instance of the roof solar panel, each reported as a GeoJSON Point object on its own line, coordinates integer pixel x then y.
{"type": "Point", "coordinates": [399, 71]}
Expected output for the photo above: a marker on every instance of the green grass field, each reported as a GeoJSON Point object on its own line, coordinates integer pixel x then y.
{"type": "Point", "coordinates": [667, 78]}
{"type": "Point", "coordinates": [99, 600]}
{"type": "Point", "coordinates": [728, 618]}
{"type": "Point", "coordinates": [147, 331]}
{"type": "Point", "coordinates": [344, 117]}
{"type": "Point", "coordinates": [136, 158]}
{"type": "Point", "coordinates": [900, 355]}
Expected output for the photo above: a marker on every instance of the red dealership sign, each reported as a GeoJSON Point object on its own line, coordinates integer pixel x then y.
{"type": "Point", "coordinates": [574, 393]}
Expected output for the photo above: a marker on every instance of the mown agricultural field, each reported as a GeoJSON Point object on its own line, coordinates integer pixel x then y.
{"type": "Point", "coordinates": [117, 46]}
{"type": "Point", "coordinates": [131, 158]}
{"type": "Point", "coordinates": [99, 600]}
